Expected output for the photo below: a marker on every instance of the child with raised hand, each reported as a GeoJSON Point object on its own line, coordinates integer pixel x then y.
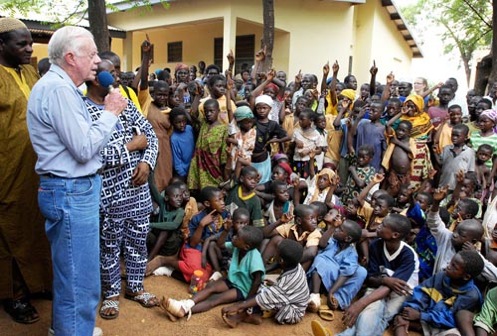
{"type": "Point", "coordinates": [398, 157]}
{"type": "Point", "coordinates": [443, 136]}
{"type": "Point", "coordinates": [165, 235]}
{"type": "Point", "coordinates": [206, 223]}
{"type": "Point", "coordinates": [455, 290]}
{"type": "Point", "coordinates": [467, 233]}
{"type": "Point", "coordinates": [245, 275]}
{"type": "Point", "coordinates": [456, 157]}
{"type": "Point", "coordinates": [320, 125]}
{"type": "Point", "coordinates": [182, 142]}
{"type": "Point", "coordinates": [361, 173]}
{"type": "Point", "coordinates": [336, 267]}
{"type": "Point", "coordinates": [208, 165]}
{"type": "Point", "coordinates": [272, 87]}
{"type": "Point", "coordinates": [281, 203]}
{"type": "Point", "coordinates": [308, 143]}
{"type": "Point", "coordinates": [392, 274]}
{"type": "Point", "coordinates": [466, 186]}
{"type": "Point", "coordinates": [304, 231]}
{"type": "Point", "coordinates": [287, 297]}
{"type": "Point", "coordinates": [320, 211]}
{"type": "Point", "coordinates": [217, 85]}
{"type": "Point", "coordinates": [243, 196]}
{"type": "Point", "coordinates": [219, 257]}
{"type": "Point", "coordinates": [268, 131]}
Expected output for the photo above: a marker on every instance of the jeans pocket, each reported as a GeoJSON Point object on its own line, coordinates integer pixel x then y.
{"type": "Point", "coordinates": [48, 205]}
{"type": "Point", "coordinates": [81, 187]}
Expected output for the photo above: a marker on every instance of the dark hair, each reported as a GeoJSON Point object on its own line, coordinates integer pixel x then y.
{"type": "Point", "coordinates": [470, 175]}
{"type": "Point", "coordinates": [301, 210]}
{"type": "Point", "coordinates": [291, 252]}
{"type": "Point", "coordinates": [486, 101]}
{"type": "Point", "coordinates": [211, 102]}
{"type": "Point", "coordinates": [427, 195]}
{"type": "Point", "coordinates": [367, 148]}
{"type": "Point", "coordinates": [444, 216]}
{"type": "Point", "coordinates": [177, 182]}
{"type": "Point", "coordinates": [454, 106]}
{"type": "Point", "coordinates": [473, 262]}
{"type": "Point", "coordinates": [170, 188]}
{"type": "Point", "coordinates": [470, 207]}
{"type": "Point", "coordinates": [358, 104]}
{"type": "Point", "coordinates": [240, 212]}
{"type": "Point", "coordinates": [212, 66]}
{"type": "Point", "coordinates": [348, 78]}
{"type": "Point", "coordinates": [445, 86]}
{"type": "Point", "coordinates": [462, 127]}
{"type": "Point", "coordinates": [387, 198]}
{"type": "Point", "coordinates": [486, 147]}
{"type": "Point", "coordinates": [395, 100]}
{"type": "Point", "coordinates": [248, 170]}
{"type": "Point", "coordinates": [353, 229]}
{"type": "Point", "coordinates": [307, 112]}
{"type": "Point", "coordinates": [321, 206]}
{"type": "Point", "coordinates": [161, 84]}
{"type": "Point", "coordinates": [108, 55]}
{"type": "Point", "coordinates": [252, 236]}
{"type": "Point", "coordinates": [407, 123]}
{"type": "Point", "coordinates": [207, 193]}
{"type": "Point", "coordinates": [176, 112]}
{"type": "Point", "coordinates": [472, 227]}
{"type": "Point", "coordinates": [214, 78]}
{"type": "Point", "coordinates": [278, 184]}
{"type": "Point", "coordinates": [400, 224]}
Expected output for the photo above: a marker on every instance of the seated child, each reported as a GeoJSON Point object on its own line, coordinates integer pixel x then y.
{"type": "Point", "coordinates": [469, 231]}
{"type": "Point", "coordinates": [288, 296]}
{"type": "Point", "coordinates": [304, 231]}
{"type": "Point", "coordinates": [190, 206]}
{"type": "Point", "coordinates": [182, 142]}
{"type": "Point", "coordinates": [281, 203]}
{"type": "Point", "coordinates": [320, 211]}
{"type": "Point", "coordinates": [486, 319]}
{"type": "Point", "coordinates": [322, 188]}
{"type": "Point", "coordinates": [206, 223]}
{"type": "Point", "coordinates": [435, 303]}
{"type": "Point", "coordinates": [307, 144]}
{"type": "Point", "coordinates": [245, 274]}
{"type": "Point", "coordinates": [392, 274]}
{"type": "Point", "coordinates": [336, 267]}
{"type": "Point", "coordinates": [165, 235]}
{"type": "Point", "coordinates": [243, 196]}
{"type": "Point", "coordinates": [219, 257]}
{"type": "Point", "coordinates": [361, 174]}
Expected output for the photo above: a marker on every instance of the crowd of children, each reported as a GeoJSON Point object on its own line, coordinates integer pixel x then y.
{"type": "Point", "coordinates": [370, 202]}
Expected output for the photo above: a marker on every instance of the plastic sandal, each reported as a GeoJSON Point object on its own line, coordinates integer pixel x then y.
{"type": "Point", "coordinates": [146, 299]}
{"type": "Point", "coordinates": [319, 330]}
{"type": "Point", "coordinates": [109, 304]}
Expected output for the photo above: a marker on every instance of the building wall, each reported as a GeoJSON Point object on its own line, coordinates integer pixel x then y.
{"type": "Point", "coordinates": [308, 34]}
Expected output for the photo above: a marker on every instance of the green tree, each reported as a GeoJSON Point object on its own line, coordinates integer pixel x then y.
{"type": "Point", "coordinates": [467, 24]}
{"type": "Point", "coordinates": [59, 13]}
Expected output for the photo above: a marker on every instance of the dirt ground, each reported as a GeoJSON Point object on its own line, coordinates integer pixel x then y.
{"type": "Point", "coordinates": [135, 320]}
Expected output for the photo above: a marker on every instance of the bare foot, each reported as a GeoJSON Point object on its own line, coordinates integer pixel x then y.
{"type": "Point", "coordinates": [154, 264]}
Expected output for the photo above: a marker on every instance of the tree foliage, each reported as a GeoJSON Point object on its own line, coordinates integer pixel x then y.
{"type": "Point", "coordinates": [467, 24]}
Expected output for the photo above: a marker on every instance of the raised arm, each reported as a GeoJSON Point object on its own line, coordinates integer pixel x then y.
{"type": "Point", "coordinates": [372, 83]}
{"type": "Point", "coordinates": [260, 56]}
{"type": "Point", "coordinates": [333, 85]}
{"type": "Point", "coordinates": [386, 91]}
{"type": "Point", "coordinates": [377, 178]}
{"type": "Point", "coordinates": [146, 48]}
{"type": "Point", "coordinates": [326, 71]}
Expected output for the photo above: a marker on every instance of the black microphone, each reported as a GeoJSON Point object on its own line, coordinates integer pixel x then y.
{"type": "Point", "coordinates": [106, 79]}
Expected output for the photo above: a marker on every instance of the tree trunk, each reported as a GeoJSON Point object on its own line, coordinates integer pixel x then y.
{"type": "Point", "coordinates": [493, 52]}
{"type": "Point", "coordinates": [467, 69]}
{"type": "Point", "coordinates": [268, 34]}
{"type": "Point", "coordinates": [483, 69]}
{"type": "Point", "coordinates": [97, 17]}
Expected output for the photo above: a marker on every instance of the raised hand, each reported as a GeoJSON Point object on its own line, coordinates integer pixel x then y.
{"type": "Point", "coordinates": [298, 78]}
{"type": "Point", "coordinates": [374, 70]}
{"type": "Point", "coordinates": [230, 57]}
{"type": "Point", "coordinates": [440, 193]}
{"type": "Point", "coordinates": [326, 69]}
{"type": "Point", "coordinates": [261, 55]}
{"type": "Point", "coordinates": [390, 78]}
{"type": "Point", "coordinates": [377, 178]}
{"type": "Point", "coordinates": [335, 67]}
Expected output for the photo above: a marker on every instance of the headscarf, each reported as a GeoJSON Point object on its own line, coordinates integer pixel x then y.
{"type": "Point", "coordinates": [286, 167]}
{"type": "Point", "coordinates": [349, 93]}
{"type": "Point", "coordinates": [181, 66]}
{"type": "Point", "coordinates": [243, 112]}
{"type": "Point", "coordinates": [332, 176]}
{"type": "Point", "coordinates": [492, 115]}
{"type": "Point", "coordinates": [264, 99]}
{"type": "Point", "coordinates": [272, 86]}
{"type": "Point", "coordinates": [421, 122]}
{"type": "Point", "coordinates": [416, 100]}
{"type": "Point", "coordinates": [11, 24]}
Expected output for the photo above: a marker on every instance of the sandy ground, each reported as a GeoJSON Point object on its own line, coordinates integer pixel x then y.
{"type": "Point", "coordinates": [135, 320]}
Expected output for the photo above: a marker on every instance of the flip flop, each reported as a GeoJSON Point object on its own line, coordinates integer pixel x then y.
{"type": "Point", "coordinates": [145, 299]}
{"type": "Point", "coordinates": [319, 330]}
{"type": "Point", "coordinates": [109, 304]}
{"type": "Point", "coordinates": [326, 313]}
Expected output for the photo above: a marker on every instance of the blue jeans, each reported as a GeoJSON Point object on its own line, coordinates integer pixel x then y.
{"type": "Point", "coordinates": [71, 209]}
{"type": "Point", "coordinates": [374, 319]}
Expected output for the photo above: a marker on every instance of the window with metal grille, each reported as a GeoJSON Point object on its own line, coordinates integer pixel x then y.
{"type": "Point", "coordinates": [174, 52]}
